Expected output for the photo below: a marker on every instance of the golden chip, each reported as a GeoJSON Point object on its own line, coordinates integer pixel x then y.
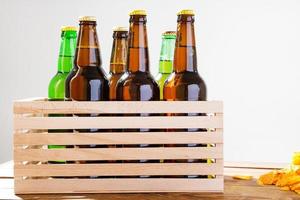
{"type": "Point", "coordinates": [296, 158]}
{"type": "Point", "coordinates": [242, 177]}
{"type": "Point", "coordinates": [285, 188]}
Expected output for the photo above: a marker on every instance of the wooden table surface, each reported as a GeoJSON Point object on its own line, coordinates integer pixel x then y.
{"type": "Point", "coordinates": [234, 189]}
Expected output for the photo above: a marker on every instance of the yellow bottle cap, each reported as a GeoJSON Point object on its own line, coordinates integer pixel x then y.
{"type": "Point", "coordinates": [186, 12]}
{"type": "Point", "coordinates": [120, 28]}
{"type": "Point", "coordinates": [171, 33]}
{"type": "Point", "coordinates": [138, 12]}
{"type": "Point", "coordinates": [87, 18]}
{"type": "Point", "coordinates": [68, 28]}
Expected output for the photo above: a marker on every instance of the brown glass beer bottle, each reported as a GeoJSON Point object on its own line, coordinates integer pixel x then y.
{"type": "Point", "coordinates": [137, 84]}
{"type": "Point", "coordinates": [185, 83]}
{"type": "Point", "coordinates": [117, 60]}
{"type": "Point", "coordinates": [90, 82]}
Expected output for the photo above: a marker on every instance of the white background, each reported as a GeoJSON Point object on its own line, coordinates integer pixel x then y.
{"type": "Point", "coordinates": [248, 54]}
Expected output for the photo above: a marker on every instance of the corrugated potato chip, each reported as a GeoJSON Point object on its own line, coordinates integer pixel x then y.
{"type": "Point", "coordinates": [286, 179]}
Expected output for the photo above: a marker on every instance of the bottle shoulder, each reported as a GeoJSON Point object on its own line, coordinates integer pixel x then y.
{"type": "Point", "coordinates": [57, 79]}
{"type": "Point", "coordinates": [185, 78]}
{"type": "Point", "coordinates": [56, 86]}
{"type": "Point", "coordinates": [137, 86]}
{"type": "Point", "coordinates": [185, 87]}
{"type": "Point", "coordinates": [138, 78]}
{"type": "Point", "coordinates": [91, 73]}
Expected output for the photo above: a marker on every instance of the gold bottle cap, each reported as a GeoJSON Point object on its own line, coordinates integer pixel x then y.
{"type": "Point", "coordinates": [171, 33]}
{"type": "Point", "coordinates": [186, 12]}
{"type": "Point", "coordinates": [138, 12]}
{"type": "Point", "coordinates": [68, 28]}
{"type": "Point", "coordinates": [120, 28]}
{"type": "Point", "coordinates": [87, 19]}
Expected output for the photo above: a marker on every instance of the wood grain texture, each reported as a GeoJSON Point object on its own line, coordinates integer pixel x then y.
{"type": "Point", "coordinates": [233, 190]}
{"type": "Point", "coordinates": [31, 117]}
{"type": "Point", "coordinates": [159, 122]}
{"type": "Point", "coordinates": [47, 107]}
{"type": "Point", "coordinates": [119, 169]}
{"type": "Point", "coordinates": [118, 185]}
{"type": "Point", "coordinates": [118, 138]}
{"type": "Point", "coordinates": [151, 153]}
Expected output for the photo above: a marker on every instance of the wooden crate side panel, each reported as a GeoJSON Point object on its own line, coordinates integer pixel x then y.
{"type": "Point", "coordinates": [117, 122]}
{"type": "Point", "coordinates": [150, 153]}
{"type": "Point", "coordinates": [118, 138]}
{"type": "Point", "coordinates": [117, 185]}
{"type": "Point", "coordinates": [47, 107]}
{"type": "Point", "coordinates": [114, 169]}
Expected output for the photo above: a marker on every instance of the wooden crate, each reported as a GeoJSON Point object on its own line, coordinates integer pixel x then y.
{"type": "Point", "coordinates": [34, 175]}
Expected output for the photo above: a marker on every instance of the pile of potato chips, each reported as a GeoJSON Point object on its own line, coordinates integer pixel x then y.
{"type": "Point", "coordinates": [286, 179]}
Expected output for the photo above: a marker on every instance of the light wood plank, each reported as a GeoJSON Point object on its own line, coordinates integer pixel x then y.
{"type": "Point", "coordinates": [118, 169]}
{"type": "Point", "coordinates": [117, 122]}
{"type": "Point", "coordinates": [118, 185]}
{"type": "Point", "coordinates": [151, 153]}
{"type": "Point", "coordinates": [256, 165]}
{"type": "Point", "coordinates": [118, 138]}
{"type": "Point", "coordinates": [47, 107]}
{"type": "Point", "coordinates": [245, 172]}
{"type": "Point", "coordinates": [31, 99]}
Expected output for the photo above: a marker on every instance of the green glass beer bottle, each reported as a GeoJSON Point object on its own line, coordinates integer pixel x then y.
{"type": "Point", "coordinates": [56, 89]}
{"type": "Point", "coordinates": [166, 59]}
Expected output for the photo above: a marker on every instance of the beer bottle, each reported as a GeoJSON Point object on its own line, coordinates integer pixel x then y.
{"type": "Point", "coordinates": [117, 59]}
{"type": "Point", "coordinates": [185, 83]}
{"type": "Point", "coordinates": [137, 84]}
{"type": "Point", "coordinates": [166, 59]}
{"type": "Point", "coordinates": [90, 82]}
{"type": "Point", "coordinates": [56, 89]}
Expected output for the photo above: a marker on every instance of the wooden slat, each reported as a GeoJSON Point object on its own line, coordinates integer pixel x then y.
{"type": "Point", "coordinates": [118, 138]}
{"type": "Point", "coordinates": [256, 165]}
{"type": "Point", "coordinates": [118, 107]}
{"type": "Point", "coordinates": [31, 99]}
{"type": "Point", "coordinates": [118, 169]}
{"type": "Point", "coordinates": [117, 153]}
{"type": "Point", "coordinates": [117, 122]}
{"type": "Point", "coordinates": [117, 185]}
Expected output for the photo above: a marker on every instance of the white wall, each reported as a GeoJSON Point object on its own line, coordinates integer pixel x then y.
{"type": "Point", "coordinates": [248, 54]}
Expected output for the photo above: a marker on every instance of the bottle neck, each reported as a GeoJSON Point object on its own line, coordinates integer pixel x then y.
{"type": "Point", "coordinates": [87, 51]}
{"type": "Point", "coordinates": [185, 56]}
{"type": "Point", "coordinates": [138, 55]}
{"type": "Point", "coordinates": [167, 54]}
{"type": "Point", "coordinates": [118, 55]}
{"type": "Point", "coordinates": [66, 51]}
